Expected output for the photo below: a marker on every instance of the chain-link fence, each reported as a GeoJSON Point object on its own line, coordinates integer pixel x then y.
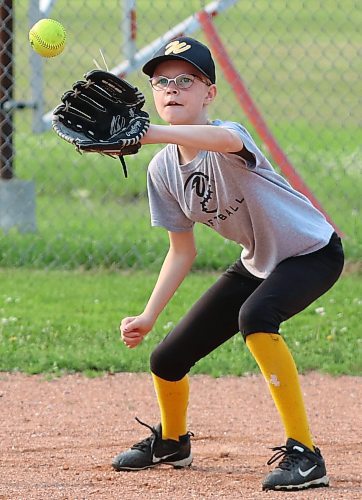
{"type": "Point", "coordinates": [298, 62]}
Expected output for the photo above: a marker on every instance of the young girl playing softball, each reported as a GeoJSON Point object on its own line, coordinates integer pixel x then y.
{"type": "Point", "coordinates": [212, 172]}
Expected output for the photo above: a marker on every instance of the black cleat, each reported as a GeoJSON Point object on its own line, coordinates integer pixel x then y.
{"type": "Point", "coordinates": [300, 468]}
{"type": "Point", "coordinates": [154, 451]}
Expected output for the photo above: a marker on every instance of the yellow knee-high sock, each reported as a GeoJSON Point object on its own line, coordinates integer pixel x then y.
{"type": "Point", "coordinates": [173, 398]}
{"type": "Point", "coordinates": [277, 365]}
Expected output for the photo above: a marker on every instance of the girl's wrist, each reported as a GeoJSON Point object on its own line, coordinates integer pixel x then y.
{"type": "Point", "coordinates": [150, 316]}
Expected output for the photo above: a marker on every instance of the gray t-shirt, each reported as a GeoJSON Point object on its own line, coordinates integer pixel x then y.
{"type": "Point", "coordinates": [246, 202]}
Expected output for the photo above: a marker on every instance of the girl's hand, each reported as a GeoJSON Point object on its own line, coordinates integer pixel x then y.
{"type": "Point", "coordinates": [134, 328]}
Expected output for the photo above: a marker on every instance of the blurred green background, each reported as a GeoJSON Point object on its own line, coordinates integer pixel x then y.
{"type": "Point", "coordinates": [301, 64]}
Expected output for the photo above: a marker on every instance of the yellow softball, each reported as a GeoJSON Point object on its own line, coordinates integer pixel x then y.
{"type": "Point", "coordinates": [47, 37]}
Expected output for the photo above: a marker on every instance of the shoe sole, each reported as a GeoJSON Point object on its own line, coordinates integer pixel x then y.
{"type": "Point", "coordinates": [180, 464]}
{"type": "Point", "coordinates": [322, 482]}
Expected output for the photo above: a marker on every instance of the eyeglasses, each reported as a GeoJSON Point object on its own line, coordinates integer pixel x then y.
{"type": "Point", "coordinates": [182, 82]}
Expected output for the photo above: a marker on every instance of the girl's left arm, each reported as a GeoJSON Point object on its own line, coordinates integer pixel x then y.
{"type": "Point", "coordinates": [201, 137]}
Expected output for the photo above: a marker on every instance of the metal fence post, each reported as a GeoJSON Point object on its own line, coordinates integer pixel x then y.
{"type": "Point", "coordinates": [6, 90]}
{"type": "Point", "coordinates": [17, 197]}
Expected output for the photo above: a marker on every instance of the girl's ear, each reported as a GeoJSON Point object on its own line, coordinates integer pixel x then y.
{"type": "Point", "coordinates": [211, 94]}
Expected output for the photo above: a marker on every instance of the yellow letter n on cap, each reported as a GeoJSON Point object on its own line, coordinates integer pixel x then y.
{"type": "Point", "coordinates": [176, 47]}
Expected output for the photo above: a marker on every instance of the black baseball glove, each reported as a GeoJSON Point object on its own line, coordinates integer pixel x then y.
{"type": "Point", "coordinates": [102, 114]}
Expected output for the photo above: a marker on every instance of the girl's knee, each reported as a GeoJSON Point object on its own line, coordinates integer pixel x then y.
{"type": "Point", "coordinates": [257, 318]}
{"type": "Point", "coordinates": [165, 366]}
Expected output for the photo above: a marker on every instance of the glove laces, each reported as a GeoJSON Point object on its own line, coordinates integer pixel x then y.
{"type": "Point", "coordinates": [126, 175]}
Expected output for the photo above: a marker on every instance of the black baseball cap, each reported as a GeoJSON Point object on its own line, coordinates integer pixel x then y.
{"type": "Point", "coordinates": [185, 49]}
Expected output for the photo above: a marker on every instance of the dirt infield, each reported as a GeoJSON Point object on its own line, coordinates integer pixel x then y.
{"type": "Point", "coordinates": [58, 437]}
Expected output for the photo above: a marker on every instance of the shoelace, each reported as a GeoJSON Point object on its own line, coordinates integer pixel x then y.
{"type": "Point", "coordinates": [288, 456]}
{"type": "Point", "coordinates": [145, 443]}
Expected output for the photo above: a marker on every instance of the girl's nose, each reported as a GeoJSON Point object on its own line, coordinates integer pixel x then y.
{"type": "Point", "coordinates": [172, 88]}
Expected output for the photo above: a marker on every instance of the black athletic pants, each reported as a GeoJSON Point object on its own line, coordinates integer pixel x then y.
{"type": "Point", "coordinates": [240, 302]}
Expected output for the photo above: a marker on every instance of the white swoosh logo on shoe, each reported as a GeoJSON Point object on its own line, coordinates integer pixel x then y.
{"type": "Point", "coordinates": [155, 460]}
{"type": "Point", "coordinates": [306, 473]}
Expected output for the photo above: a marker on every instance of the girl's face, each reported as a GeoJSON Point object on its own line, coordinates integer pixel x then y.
{"type": "Point", "coordinates": [183, 106]}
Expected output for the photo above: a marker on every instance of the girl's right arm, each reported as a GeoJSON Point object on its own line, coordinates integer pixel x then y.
{"type": "Point", "coordinates": [177, 264]}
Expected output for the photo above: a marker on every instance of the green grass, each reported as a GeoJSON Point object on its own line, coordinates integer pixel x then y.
{"type": "Point", "coordinates": [59, 321]}
{"type": "Point", "coordinates": [66, 286]}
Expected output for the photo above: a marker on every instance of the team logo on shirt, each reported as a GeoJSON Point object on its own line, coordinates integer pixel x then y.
{"type": "Point", "coordinates": [199, 190]}
{"type": "Point", "coordinates": [200, 197]}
